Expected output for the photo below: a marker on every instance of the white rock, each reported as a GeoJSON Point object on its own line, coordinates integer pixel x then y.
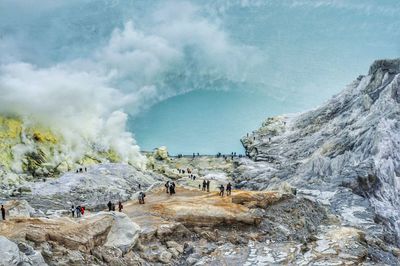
{"type": "Point", "coordinates": [19, 209]}
{"type": "Point", "coordinates": [165, 257]}
{"type": "Point", "coordinates": [9, 252]}
{"type": "Point", "coordinates": [124, 232]}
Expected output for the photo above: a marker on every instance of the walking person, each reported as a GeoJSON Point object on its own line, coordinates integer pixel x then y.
{"type": "Point", "coordinates": [3, 213]}
{"type": "Point", "coordinates": [120, 207]}
{"type": "Point", "coordinates": [172, 188]}
{"type": "Point", "coordinates": [141, 197]}
{"type": "Point", "coordinates": [109, 205]}
{"type": "Point", "coordinates": [73, 211]}
{"type": "Point", "coordinates": [78, 211]}
{"type": "Point", "coordinates": [204, 185]}
{"type": "Point", "coordinates": [167, 186]}
{"type": "Point", "coordinates": [208, 185]}
{"type": "Point", "coordinates": [228, 189]}
{"type": "Point", "coordinates": [221, 190]}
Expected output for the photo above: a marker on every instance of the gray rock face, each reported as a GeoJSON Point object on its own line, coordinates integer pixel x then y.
{"type": "Point", "coordinates": [22, 254]}
{"type": "Point", "coordinates": [93, 189]}
{"type": "Point", "coordinates": [9, 252]}
{"type": "Point", "coordinates": [345, 154]}
{"type": "Point", "coordinates": [123, 234]}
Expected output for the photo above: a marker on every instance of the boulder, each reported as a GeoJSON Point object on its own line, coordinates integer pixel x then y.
{"type": "Point", "coordinates": [34, 257]}
{"type": "Point", "coordinates": [9, 252]}
{"type": "Point", "coordinates": [165, 257]}
{"type": "Point", "coordinates": [123, 234]}
{"type": "Point", "coordinates": [21, 254]}
{"type": "Point", "coordinates": [19, 209]}
{"type": "Point", "coordinates": [161, 153]}
{"type": "Point", "coordinates": [261, 199]}
{"type": "Point", "coordinates": [176, 246]}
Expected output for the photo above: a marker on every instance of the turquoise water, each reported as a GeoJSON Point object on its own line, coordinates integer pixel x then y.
{"type": "Point", "coordinates": [195, 75]}
{"type": "Point", "coordinates": [311, 52]}
{"type": "Point", "coordinates": [207, 122]}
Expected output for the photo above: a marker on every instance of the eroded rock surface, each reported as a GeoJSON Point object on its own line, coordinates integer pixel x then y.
{"type": "Point", "coordinates": [344, 154]}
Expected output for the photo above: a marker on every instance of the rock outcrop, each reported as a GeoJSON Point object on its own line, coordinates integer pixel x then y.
{"type": "Point", "coordinates": [344, 154]}
{"type": "Point", "coordinates": [92, 188]}
{"type": "Point", "coordinates": [21, 254]}
{"type": "Point", "coordinates": [29, 151]}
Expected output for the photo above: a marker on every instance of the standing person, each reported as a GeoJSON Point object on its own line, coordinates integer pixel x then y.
{"type": "Point", "coordinates": [221, 190]}
{"type": "Point", "coordinates": [120, 207]}
{"type": "Point", "coordinates": [78, 211]}
{"type": "Point", "coordinates": [172, 188]}
{"type": "Point", "coordinates": [228, 189]}
{"type": "Point", "coordinates": [83, 210]}
{"type": "Point", "coordinates": [109, 205]}
{"type": "Point", "coordinates": [113, 207]}
{"type": "Point", "coordinates": [199, 186]}
{"type": "Point", "coordinates": [141, 197]}
{"type": "Point", "coordinates": [73, 211]}
{"type": "Point", "coordinates": [140, 186]}
{"type": "Point", "coordinates": [208, 185]}
{"type": "Point", "coordinates": [3, 212]}
{"type": "Point", "coordinates": [204, 185]}
{"type": "Point", "coordinates": [167, 185]}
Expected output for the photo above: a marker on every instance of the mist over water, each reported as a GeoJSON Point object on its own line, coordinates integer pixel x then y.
{"type": "Point", "coordinates": [192, 75]}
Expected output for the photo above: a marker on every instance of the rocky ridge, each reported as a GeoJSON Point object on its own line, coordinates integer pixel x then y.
{"type": "Point", "coordinates": [344, 154]}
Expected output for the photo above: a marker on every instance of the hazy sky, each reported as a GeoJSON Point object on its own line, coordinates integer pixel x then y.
{"type": "Point", "coordinates": [196, 64]}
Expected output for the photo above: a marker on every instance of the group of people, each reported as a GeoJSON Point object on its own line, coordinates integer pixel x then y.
{"type": "Point", "coordinates": [225, 157]}
{"type": "Point", "coordinates": [111, 206]}
{"type": "Point", "coordinates": [228, 189]}
{"type": "Point", "coordinates": [182, 171]}
{"type": "Point", "coordinates": [170, 187]}
{"type": "Point", "coordinates": [80, 170]}
{"type": "Point", "coordinates": [194, 155]}
{"type": "Point", "coordinates": [206, 185]}
{"type": "Point", "coordinates": [77, 211]}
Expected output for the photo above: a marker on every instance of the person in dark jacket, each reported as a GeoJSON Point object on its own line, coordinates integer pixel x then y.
{"type": "Point", "coordinates": [221, 190]}
{"type": "Point", "coordinates": [78, 211]}
{"type": "Point", "coordinates": [109, 205]}
{"type": "Point", "coordinates": [141, 197]}
{"type": "Point", "coordinates": [120, 206]}
{"type": "Point", "coordinates": [228, 189]}
{"type": "Point", "coordinates": [3, 212]}
{"type": "Point", "coordinates": [204, 185]}
{"type": "Point", "coordinates": [208, 185]}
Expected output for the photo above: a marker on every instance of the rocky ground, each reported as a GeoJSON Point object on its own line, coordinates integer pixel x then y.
{"type": "Point", "coordinates": [190, 228]}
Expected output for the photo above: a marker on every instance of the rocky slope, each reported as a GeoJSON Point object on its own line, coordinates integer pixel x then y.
{"type": "Point", "coordinates": [29, 151]}
{"type": "Point", "coordinates": [344, 154]}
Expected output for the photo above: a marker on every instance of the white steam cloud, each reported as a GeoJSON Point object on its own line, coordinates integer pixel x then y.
{"type": "Point", "coordinates": [86, 99]}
